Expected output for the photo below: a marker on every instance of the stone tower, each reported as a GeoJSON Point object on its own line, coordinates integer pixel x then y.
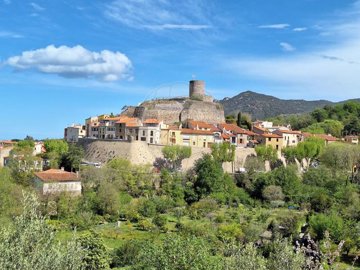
{"type": "Point", "coordinates": [197, 89]}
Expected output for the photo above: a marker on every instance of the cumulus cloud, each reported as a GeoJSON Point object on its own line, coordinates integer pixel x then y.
{"type": "Point", "coordinates": [159, 14]}
{"type": "Point", "coordinates": [74, 62]}
{"type": "Point", "coordinates": [287, 47]}
{"type": "Point", "coordinates": [275, 26]}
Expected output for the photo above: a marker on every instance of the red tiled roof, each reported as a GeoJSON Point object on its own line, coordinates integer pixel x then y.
{"type": "Point", "coordinates": [289, 131]}
{"type": "Point", "coordinates": [321, 136]}
{"type": "Point", "coordinates": [55, 175]}
{"type": "Point", "coordinates": [326, 137]}
{"type": "Point", "coordinates": [270, 135]}
{"type": "Point", "coordinates": [225, 136]}
{"type": "Point", "coordinates": [196, 132]}
{"type": "Point", "coordinates": [234, 128]}
{"type": "Point", "coordinates": [151, 121]}
{"type": "Point", "coordinates": [200, 124]}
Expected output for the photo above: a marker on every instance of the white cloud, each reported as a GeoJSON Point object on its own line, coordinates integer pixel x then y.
{"type": "Point", "coordinates": [7, 34]}
{"type": "Point", "coordinates": [178, 26]}
{"type": "Point", "coordinates": [74, 62]}
{"type": "Point", "coordinates": [300, 29]}
{"type": "Point", "coordinates": [274, 26]}
{"type": "Point", "coordinates": [37, 6]}
{"type": "Point", "coordinates": [287, 47]}
{"type": "Point", "coordinates": [159, 14]}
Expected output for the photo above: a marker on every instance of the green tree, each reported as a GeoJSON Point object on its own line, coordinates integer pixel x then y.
{"type": "Point", "coordinates": [245, 258]}
{"type": "Point", "coordinates": [223, 152]}
{"type": "Point", "coordinates": [175, 154]}
{"type": "Point", "coordinates": [30, 244]}
{"type": "Point", "coordinates": [283, 257]}
{"type": "Point", "coordinates": [209, 176]}
{"type": "Point", "coordinates": [266, 153]}
{"type": "Point", "coordinates": [177, 253]}
{"type": "Point", "coordinates": [96, 257]}
{"type": "Point", "coordinates": [55, 149]}
{"type": "Point", "coordinates": [71, 160]}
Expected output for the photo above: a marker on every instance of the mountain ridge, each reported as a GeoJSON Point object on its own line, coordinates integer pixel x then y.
{"type": "Point", "coordinates": [261, 106]}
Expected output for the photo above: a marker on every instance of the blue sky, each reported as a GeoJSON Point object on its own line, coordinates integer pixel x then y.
{"type": "Point", "coordinates": [62, 61]}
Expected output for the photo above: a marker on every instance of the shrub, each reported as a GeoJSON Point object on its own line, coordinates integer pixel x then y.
{"type": "Point", "coordinates": [145, 225]}
{"type": "Point", "coordinates": [273, 193]}
{"type": "Point", "coordinates": [160, 222]}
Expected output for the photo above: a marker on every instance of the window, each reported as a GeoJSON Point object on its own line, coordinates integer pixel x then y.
{"type": "Point", "coordinates": [193, 143]}
{"type": "Point", "coordinates": [151, 140]}
{"type": "Point", "coordinates": [143, 132]}
{"type": "Point", "coordinates": [269, 139]}
{"type": "Point", "coordinates": [277, 147]}
{"type": "Point", "coordinates": [277, 140]}
{"type": "Point", "coordinates": [151, 133]}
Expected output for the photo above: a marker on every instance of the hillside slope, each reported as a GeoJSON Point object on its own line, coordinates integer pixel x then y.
{"type": "Point", "coordinates": [261, 106]}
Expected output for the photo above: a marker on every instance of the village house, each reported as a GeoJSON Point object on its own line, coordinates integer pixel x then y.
{"type": "Point", "coordinates": [107, 129]}
{"type": "Point", "coordinates": [170, 135]}
{"type": "Point", "coordinates": [197, 138]}
{"type": "Point", "coordinates": [290, 137]}
{"type": "Point", "coordinates": [5, 149]}
{"type": "Point", "coordinates": [150, 131]}
{"type": "Point", "coordinates": [55, 181]}
{"type": "Point", "coordinates": [270, 139]}
{"type": "Point", "coordinates": [238, 136]}
{"type": "Point", "coordinates": [127, 128]}
{"type": "Point", "coordinates": [74, 132]}
{"type": "Point", "coordinates": [327, 138]}
{"type": "Point", "coordinates": [352, 139]}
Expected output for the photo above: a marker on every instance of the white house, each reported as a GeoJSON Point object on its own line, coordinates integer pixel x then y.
{"type": "Point", "coordinates": [55, 181]}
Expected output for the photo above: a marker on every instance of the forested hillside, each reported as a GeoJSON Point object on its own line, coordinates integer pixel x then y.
{"type": "Point", "coordinates": [261, 106]}
{"type": "Point", "coordinates": [339, 120]}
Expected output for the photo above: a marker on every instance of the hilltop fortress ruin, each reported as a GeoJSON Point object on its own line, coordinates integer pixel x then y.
{"type": "Point", "coordinates": [197, 106]}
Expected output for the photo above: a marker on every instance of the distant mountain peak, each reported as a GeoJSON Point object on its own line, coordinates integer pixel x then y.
{"type": "Point", "coordinates": [261, 106]}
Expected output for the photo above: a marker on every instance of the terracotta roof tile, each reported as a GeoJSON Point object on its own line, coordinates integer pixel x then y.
{"type": "Point", "coordinates": [55, 175]}
{"type": "Point", "coordinates": [151, 121]}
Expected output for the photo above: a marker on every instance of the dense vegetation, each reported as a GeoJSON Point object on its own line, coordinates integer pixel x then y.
{"type": "Point", "coordinates": [132, 217]}
{"type": "Point", "coordinates": [340, 120]}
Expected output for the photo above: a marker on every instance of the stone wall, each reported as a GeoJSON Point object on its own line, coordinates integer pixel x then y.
{"type": "Point", "coordinates": [138, 152]}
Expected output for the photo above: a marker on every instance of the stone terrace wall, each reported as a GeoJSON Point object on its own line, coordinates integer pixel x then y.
{"type": "Point", "coordinates": [138, 152]}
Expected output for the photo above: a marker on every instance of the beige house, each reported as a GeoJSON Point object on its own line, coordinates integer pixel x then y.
{"type": "Point", "coordinates": [56, 181]}
{"type": "Point", "coordinates": [274, 140]}
{"type": "Point", "coordinates": [170, 135]}
{"type": "Point", "coordinates": [127, 128]}
{"type": "Point", "coordinates": [197, 138]}
{"type": "Point", "coordinates": [5, 149]}
{"type": "Point", "coordinates": [74, 132]}
{"type": "Point", "coordinates": [290, 137]}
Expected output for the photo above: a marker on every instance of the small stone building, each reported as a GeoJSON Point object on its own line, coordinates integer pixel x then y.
{"type": "Point", "coordinates": [55, 181]}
